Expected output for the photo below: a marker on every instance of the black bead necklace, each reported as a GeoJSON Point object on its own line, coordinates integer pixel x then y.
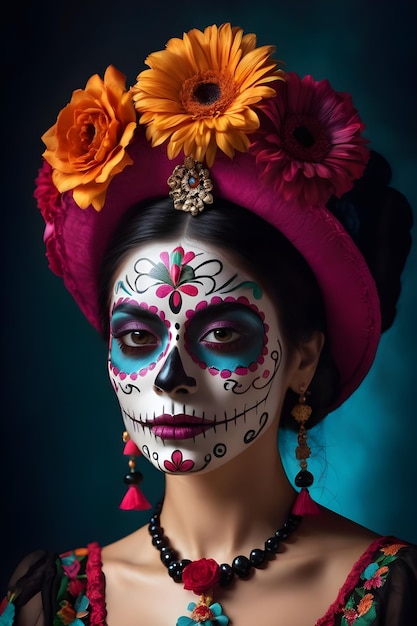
{"type": "Point", "coordinates": [241, 565]}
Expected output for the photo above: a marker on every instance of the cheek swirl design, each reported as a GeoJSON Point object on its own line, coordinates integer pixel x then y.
{"type": "Point", "coordinates": [257, 383]}
{"type": "Point", "coordinates": [252, 434]}
{"type": "Point", "coordinates": [127, 389]}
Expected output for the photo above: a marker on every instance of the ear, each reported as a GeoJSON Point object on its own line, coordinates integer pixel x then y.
{"type": "Point", "coordinates": [306, 359]}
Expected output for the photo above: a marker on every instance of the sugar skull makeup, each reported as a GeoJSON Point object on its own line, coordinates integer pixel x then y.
{"type": "Point", "coordinates": [196, 355]}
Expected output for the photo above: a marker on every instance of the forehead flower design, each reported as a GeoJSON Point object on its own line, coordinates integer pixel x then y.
{"type": "Point", "coordinates": [87, 146]}
{"type": "Point", "coordinates": [311, 145]}
{"type": "Point", "coordinates": [200, 92]}
{"type": "Point", "coordinates": [176, 275]}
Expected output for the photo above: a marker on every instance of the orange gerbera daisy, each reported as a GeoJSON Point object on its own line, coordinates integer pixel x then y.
{"type": "Point", "coordinates": [200, 91]}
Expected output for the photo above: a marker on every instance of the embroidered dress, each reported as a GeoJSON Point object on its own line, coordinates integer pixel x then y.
{"type": "Point", "coordinates": [69, 589]}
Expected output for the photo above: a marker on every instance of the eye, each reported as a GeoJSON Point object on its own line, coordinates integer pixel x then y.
{"type": "Point", "coordinates": [226, 336]}
{"type": "Point", "coordinates": [137, 339]}
{"type": "Point", "coordinates": [221, 335]}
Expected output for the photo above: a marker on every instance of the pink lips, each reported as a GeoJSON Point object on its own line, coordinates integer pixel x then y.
{"type": "Point", "coordinates": [178, 426]}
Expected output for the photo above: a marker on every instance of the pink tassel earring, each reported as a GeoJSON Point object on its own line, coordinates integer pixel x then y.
{"type": "Point", "coordinates": [134, 500]}
{"type": "Point", "coordinates": [304, 504]}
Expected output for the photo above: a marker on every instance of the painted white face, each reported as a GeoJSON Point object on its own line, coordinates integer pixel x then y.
{"type": "Point", "coordinates": [196, 356]}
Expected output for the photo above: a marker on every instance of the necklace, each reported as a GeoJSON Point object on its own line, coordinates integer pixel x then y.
{"type": "Point", "coordinates": [203, 575]}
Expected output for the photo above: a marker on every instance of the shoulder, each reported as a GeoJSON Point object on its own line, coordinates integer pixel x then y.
{"type": "Point", "coordinates": [46, 584]}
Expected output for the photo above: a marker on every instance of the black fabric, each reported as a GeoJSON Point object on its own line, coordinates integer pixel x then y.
{"type": "Point", "coordinates": [35, 583]}
{"type": "Point", "coordinates": [398, 600]}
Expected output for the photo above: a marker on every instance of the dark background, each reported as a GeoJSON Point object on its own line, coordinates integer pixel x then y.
{"type": "Point", "coordinates": [61, 450]}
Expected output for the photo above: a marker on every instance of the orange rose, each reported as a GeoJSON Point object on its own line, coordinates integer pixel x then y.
{"type": "Point", "coordinates": [87, 145]}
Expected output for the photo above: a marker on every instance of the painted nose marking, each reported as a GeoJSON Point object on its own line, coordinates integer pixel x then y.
{"type": "Point", "coordinates": [172, 376]}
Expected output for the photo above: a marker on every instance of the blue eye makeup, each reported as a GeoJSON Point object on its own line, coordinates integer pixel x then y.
{"type": "Point", "coordinates": [139, 338]}
{"type": "Point", "coordinates": [227, 336]}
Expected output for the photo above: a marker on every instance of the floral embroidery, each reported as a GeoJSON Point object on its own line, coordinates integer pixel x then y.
{"type": "Point", "coordinates": [375, 578]}
{"type": "Point", "coordinates": [392, 549]}
{"type": "Point", "coordinates": [72, 600]}
{"type": "Point", "coordinates": [7, 612]}
{"type": "Point", "coordinates": [361, 606]}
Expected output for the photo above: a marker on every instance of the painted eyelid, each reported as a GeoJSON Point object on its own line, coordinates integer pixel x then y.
{"type": "Point", "coordinates": [131, 326]}
{"type": "Point", "coordinates": [226, 324]}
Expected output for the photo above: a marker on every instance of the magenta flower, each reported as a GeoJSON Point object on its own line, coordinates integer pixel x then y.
{"type": "Point", "coordinates": [48, 200]}
{"type": "Point", "coordinates": [311, 146]}
{"type": "Point", "coordinates": [177, 464]}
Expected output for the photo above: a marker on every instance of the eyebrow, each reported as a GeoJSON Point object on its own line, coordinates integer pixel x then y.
{"type": "Point", "coordinates": [134, 310]}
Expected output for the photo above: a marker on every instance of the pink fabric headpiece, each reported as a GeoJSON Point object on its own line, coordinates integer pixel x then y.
{"type": "Point", "coordinates": [274, 143]}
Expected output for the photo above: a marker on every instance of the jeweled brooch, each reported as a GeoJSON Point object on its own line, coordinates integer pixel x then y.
{"type": "Point", "coordinates": [190, 186]}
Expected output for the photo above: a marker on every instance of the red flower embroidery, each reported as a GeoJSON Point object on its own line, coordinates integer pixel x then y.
{"type": "Point", "coordinates": [350, 616]}
{"type": "Point", "coordinates": [200, 576]}
{"type": "Point", "coordinates": [376, 580]}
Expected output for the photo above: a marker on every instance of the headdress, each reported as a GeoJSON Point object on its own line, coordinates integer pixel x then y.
{"type": "Point", "coordinates": [214, 116]}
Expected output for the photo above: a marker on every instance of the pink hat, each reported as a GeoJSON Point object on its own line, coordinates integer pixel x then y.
{"type": "Point", "coordinates": [216, 108]}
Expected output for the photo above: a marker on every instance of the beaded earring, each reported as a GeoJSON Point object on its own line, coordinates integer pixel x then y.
{"type": "Point", "coordinates": [304, 504]}
{"type": "Point", "coordinates": [134, 500]}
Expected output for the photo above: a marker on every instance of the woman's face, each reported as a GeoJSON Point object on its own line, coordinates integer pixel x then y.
{"type": "Point", "coordinates": [196, 356]}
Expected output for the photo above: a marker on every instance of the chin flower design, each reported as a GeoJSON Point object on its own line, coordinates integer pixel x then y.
{"type": "Point", "coordinates": [87, 146]}
{"type": "Point", "coordinates": [200, 91]}
{"type": "Point", "coordinates": [310, 146]}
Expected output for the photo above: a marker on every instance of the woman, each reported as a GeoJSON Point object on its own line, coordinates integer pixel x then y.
{"type": "Point", "coordinates": [258, 303]}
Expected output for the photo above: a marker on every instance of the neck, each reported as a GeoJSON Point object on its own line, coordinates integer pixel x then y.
{"type": "Point", "coordinates": [227, 511]}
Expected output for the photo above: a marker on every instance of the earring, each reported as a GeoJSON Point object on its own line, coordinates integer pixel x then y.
{"type": "Point", "coordinates": [304, 504]}
{"type": "Point", "coordinates": [134, 500]}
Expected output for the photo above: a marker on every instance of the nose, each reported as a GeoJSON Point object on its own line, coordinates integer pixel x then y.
{"type": "Point", "coordinates": [172, 377]}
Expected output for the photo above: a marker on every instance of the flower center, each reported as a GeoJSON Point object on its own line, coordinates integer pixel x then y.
{"type": "Point", "coordinates": [207, 93]}
{"type": "Point", "coordinates": [202, 613]}
{"type": "Point", "coordinates": [305, 138]}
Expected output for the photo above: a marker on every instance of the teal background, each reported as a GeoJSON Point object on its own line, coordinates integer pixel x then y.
{"type": "Point", "coordinates": [61, 450]}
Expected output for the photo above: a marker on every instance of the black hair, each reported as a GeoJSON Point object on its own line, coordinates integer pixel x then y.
{"type": "Point", "coordinates": [377, 217]}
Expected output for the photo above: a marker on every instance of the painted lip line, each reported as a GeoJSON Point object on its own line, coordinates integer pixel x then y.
{"type": "Point", "coordinates": [179, 427]}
